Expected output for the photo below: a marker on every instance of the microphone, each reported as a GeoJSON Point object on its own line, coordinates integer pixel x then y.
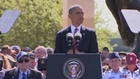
{"type": "Point", "coordinates": [77, 38]}
{"type": "Point", "coordinates": [69, 38]}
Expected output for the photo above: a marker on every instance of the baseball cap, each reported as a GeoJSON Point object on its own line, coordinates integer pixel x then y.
{"type": "Point", "coordinates": [32, 55]}
{"type": "Point", "coordinates": [131, 58]}
{"type": "Point", "coordinates": [114, 55]}
{"type": "Point", "coordinates": [21, 54]}
{"type": "Point", "coordinates": [122, 53]}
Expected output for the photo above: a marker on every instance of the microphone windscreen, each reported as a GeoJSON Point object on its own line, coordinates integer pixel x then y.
{"type": "Point", "coordinates": [69, 37]}
{"type": "Point", "coordinates": [78, 34]}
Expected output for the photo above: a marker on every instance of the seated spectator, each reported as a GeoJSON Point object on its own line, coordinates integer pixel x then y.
{"type": "Point", "coordinates": [50, 50]}
{"type": "Point", "coordinates": [22, 71]}
{"type": "Point", "coordinates": [131, 61]}
{"type": "Point", "coordinates": [11, 60]}
{"type": "Point", "coordinates": [122, 54]}
{"type": "Point", "coordinates": [105, 52]}
{"type": "Point", "coordinates": [40, 51]}
{"type": "Point", "coordinates": [116, 72]}
{"type": "Point", "coordinates": [16, 48]}
{"type": "Point", "coordinates": [32, 62]}
{"type": "Point", "coordinates": [6, 50]}
{"type": "Point", "coordinates": [123, 63]}
{"type": "Point", "coordinates": [27, 49]}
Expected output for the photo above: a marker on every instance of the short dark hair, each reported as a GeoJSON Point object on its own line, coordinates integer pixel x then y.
{"type": "Point", "coordinates": [73, 7]}
{"type": "Point", "coordinates": [106, 48]}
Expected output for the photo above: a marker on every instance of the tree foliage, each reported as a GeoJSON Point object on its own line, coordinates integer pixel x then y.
{"type": "Point", "coordinates": [104, 34]}
{"type": "Point", "coordinates": [38, 23]}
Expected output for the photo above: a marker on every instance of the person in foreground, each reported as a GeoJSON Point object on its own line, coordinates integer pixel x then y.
{"type": "Point", "coordinates": [88, 43]}
{"type": "Point", "coordinates": [22, 71]}
{"type": "Point", "coordinates": [116, 72]}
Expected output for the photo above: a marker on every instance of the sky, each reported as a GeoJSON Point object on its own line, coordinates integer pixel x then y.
{"type": "Point", "coordinates": [107, 14]}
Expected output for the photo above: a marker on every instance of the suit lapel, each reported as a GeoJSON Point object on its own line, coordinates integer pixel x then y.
{"type": "Point", "coordinates": [16, 74]}
{"type": "Point", "coordinates": [83, 33]}
{"type": "Point", "coordinates": [68, 29]}
{"type": "Point", "coordinates": [29, 76]}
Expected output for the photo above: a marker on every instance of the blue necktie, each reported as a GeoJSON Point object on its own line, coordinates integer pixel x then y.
{"type": "Point", "coordinates": [23, 76]}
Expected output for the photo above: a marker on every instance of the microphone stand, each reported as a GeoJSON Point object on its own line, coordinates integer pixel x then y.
{"type": "Point", "coordinates": [73, 49]}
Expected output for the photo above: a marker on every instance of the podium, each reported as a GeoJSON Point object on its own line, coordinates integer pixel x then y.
{"type": "Point", "coordinates": [74, 66]}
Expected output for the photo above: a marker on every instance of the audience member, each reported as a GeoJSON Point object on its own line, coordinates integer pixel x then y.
{"type": "Point", "coordinates": [22, 71]}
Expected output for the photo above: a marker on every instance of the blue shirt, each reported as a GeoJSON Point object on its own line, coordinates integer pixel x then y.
{"type": "Point", "coordinates": [20, 74]}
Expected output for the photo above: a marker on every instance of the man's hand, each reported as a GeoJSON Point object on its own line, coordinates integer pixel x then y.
{"type": "Point", "coordinates": [76, 51]}
{"type": "Point", "coordinates": [70, 51]}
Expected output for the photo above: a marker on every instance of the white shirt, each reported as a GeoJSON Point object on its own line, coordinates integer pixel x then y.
{"type": "Point", "coordinates": [20, 74]}
{"type": "Point", "coordinates": [136, 74]}
{"type": "Point", "coordinates": [73, 28]}
{"type": "Point", "coordinates": [121, 74]}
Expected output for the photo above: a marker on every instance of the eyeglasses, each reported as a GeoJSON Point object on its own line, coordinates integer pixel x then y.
{"type": "Point", "coordinates": [25, 60]}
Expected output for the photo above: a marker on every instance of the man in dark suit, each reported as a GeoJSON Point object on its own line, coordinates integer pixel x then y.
{"type": "Point", "coordinates": [88, 43]}
{"type": "Point", "coordinates": [22, 71]}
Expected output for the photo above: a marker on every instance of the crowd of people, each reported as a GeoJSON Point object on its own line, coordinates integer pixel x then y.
{"type": "Point", "coordinates": [17, 63]}
{"type": "Point", "coordinates": [120, 65]}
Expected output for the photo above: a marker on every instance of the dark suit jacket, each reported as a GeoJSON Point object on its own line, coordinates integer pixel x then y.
{"type": "Point", "coordinates": [88, 43]}
{"type": "Point", "coordinates": [14, 74]}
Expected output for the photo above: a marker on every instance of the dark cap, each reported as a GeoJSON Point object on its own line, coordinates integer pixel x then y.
{"type": "Point", "coordinates": [32, 55]}
{"type": "Point", "coordinates": [27, 49]}
{"type": "Point", "coordinates": [21, 54]}
{"type": "Point", "coordinates": [114, 55]}
{"type": "Point", "coordinates": [42, 63]}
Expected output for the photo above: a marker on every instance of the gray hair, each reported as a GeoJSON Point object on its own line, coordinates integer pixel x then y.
{"type": "Point", "coordinates": [73, 7]}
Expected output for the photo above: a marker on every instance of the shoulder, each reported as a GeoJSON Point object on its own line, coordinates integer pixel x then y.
{"type": "Point", "coordinates": [107, 72]}
{"type": "Point", "coordinates": [137, 71]}
{"type": "Point", "coordinates": [88, 29]}
{"type": "Point", "coordinates": [35, 71]}
{"type": "Point", "coordinates": [12, 70]}
{"type": "Point", "coordinates": [64, 30]}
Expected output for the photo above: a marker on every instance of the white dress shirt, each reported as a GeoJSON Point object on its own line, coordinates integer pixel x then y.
{"type": "Point", "coordinates": [136, 74]}
{"type": "Point", "coordinates": [121, 74]}
{"type": "Point", "coordinates": [73, 28]}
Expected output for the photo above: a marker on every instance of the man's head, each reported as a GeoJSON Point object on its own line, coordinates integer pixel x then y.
{"type": "Point", "coordinates": [6, 49]}
{"type": "Point", "coordinates": [16, 48]}
{"type": "Point", "coordinates": [32, 61]}
{"type": "Point", "coordinates": [122, 54]}
{"type": "Point", "coordinates": [50, 50]}
{"type": "Point", "coordinates": [105, 52]}
{"type": "Point", "coordinates": [76, 15]}
{"type": "Point", "coordinates": [114, 61]}
{"type": "Point", "coordinates": [40, 51]}
{"type": "Point", "coordinates": [22, 59]}
{"type": "Point", "coordinates": [131, 60]}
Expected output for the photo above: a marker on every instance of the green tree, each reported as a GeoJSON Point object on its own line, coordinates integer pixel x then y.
{"type": "Point", "coordinates": [38, 23]}
{"type": "Point", "coordinates": [102, 31]}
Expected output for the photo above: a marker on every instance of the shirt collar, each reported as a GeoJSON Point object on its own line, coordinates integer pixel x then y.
{"type": "Point", "coordinates": [23, 72]}
{"type": "Point", "coordinates": [120, 70]}
{"type": "Point", "coordinates": [73, 28]}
